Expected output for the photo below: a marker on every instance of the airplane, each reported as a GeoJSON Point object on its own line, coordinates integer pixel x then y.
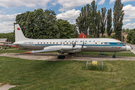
{"type": "Point", "coordinates": [72, 45]}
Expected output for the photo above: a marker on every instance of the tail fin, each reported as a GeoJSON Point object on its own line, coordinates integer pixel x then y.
{"type": "Point", "coordinates": [19, 36]}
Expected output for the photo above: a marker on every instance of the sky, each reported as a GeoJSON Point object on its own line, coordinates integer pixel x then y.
{"type": "Point", "coordinates": [64, 9]}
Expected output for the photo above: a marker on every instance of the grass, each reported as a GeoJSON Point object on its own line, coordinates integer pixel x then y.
{"type": "Point", "coordinates": [66, 75]}
{"type": "Point", "coordinates": [125, 53]}
{"type": "Point", "coordinates": [13, 51]}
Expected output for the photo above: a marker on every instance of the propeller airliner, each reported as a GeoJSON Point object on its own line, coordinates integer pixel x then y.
{"type": "Point", "coordinates": [72, 45]}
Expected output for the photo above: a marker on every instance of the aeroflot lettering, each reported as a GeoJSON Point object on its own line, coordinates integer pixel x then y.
{"type": "Point", "coordinates": [28, 42]}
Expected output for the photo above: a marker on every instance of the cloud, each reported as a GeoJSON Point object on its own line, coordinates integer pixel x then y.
{"type": "Point", "coordinates": [126, 20]}
{"type": "Point", "coordinates": [129, 25]}
{"type": "Point", "coordinates": [127, 0]}
{"type": "Point", "coordinates": [4, 18]}
{"type": "Point", "coordinates": [6, 24]}
{"type": "Point", "coordinates": [69, 4]}
{"type": "Point", "coordinates": [6, 27]}
{"type": "Point", "coordinates": [111, 1]}
{"type": "Point", "coordinates": [129, 11]}
{"type": "Point", "coordinates": [101, 2]}
{"type": "Point", "coordinates": [27, 3]}
{"type": "Point", "coordinates": [129, 16]}
{"type": "Point", "coordinates": [69, 15]}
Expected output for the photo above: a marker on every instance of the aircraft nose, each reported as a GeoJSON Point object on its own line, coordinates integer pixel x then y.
{"type": "Point", "coordinates": [128, 47]}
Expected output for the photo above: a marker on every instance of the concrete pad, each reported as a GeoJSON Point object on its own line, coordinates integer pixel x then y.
{"type": "Point", "coordinates": [7, 86]}
{"type": "Point", "coordinates": [53, 57]}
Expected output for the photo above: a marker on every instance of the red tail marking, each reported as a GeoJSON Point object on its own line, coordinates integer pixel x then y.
{"type": "Point", "coordinates": [18, 28]}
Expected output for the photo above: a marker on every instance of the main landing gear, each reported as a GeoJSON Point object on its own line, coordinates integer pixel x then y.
{"type": "Point", "coordinates": [61, 56]}
{"type": "Point", "coordinates": [114, 56]}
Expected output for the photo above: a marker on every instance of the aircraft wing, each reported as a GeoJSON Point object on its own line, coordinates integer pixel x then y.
{"type": "Point", "coordinates": [38, 51]}
{"type": "Point", "coordinates": [57, 48]}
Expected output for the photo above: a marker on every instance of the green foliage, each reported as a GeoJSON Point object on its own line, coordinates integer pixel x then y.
{"type": "Point", "coordinates": [118, 13]}
{"type": "Point", "coordinates": [66, 30]}
{"type": "Point", "coordinates": [91, 36]}
{"type": "Point", "coordinates": [41, 24]}
{"type": "Point", "coordinates": [103, 20]}
{"type": "Point", "coordinates": [103, 36]}
{"type": "Point", "coordinates": [74, 27]}
{"type": "Point", "coordinates": [113, 36]}
{"type": "Point", "coordinates": [131, 36]}
{"type": "Point", "coordinates": [9, 36]}
{"type": "Point", "coordinates": [109, 22]}
{"type": "Point", "coordinates": [89, 19]}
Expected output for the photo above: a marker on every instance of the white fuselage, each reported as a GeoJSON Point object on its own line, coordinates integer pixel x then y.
{"type": "Point", "coordinates": [90, 44]}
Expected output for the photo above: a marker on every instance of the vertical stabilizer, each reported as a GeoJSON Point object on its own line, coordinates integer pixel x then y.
{"type": "Point", "coordinates": [19, 36]}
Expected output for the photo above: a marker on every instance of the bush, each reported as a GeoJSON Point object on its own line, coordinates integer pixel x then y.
{"type": "Point", "coordinates": [103, 36]}
{"type": "Point", "coordinates": [91, 36]}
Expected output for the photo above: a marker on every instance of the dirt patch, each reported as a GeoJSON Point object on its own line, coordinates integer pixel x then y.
{"type": "Point", "coordinates": [53, 57]}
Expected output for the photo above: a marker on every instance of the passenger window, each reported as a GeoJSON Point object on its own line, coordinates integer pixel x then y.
{"type": "Point", "coordinates": [70, 42]}
{"type": "Point", "coordinates": [56, 42]}
{"type": "Point", "coordinates": [101, 42]}
{"type": "Point", "coordinates": [53, 42]}
{"type": "Point", "coordinates": [63, 42]}
{"type": "Point", "coordinates": [50, 43]}
{"type": "Point", "coordinates": [67, 42]}
{"type": "Point", "coordinates": [95, 42]}
{"type": "Point", "coordinates": [41, 42]}
{"type": "Point", "coordinates": [38, 42]}
{"type": "Point", "coordinates": [47, 42]}
{"type": "Point", "coordinates": [44, 42]}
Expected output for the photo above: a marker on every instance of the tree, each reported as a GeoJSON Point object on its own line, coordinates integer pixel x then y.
{"type": "Point", "coordinates": [65, 29]}
{"type": "Point", "coordinates": [109, 22]}
{"type": "Point", "coordinates": [89, 19]}
{"type": "Point", "coordinates": [38, 24]}
{"type": "Point", "coordinates": [98, 23]}
{"type": "Point", "coordinates": [131, 36]}
{"type": "Point", "coordinates": [103, 20]}
{"type": "Point", "coordinates": [93, 19]}
{"type": "Point", "coordinates": [82, 20]}
{"type": "Point", "coordinates": [118, 18]}
{"type": "Point", "coordinates": [74, 27]}
{"type": "Point", "coordinates": [9, 36]}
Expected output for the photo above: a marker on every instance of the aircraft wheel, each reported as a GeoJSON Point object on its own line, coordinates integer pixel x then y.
{"type": "Point", "coordinates": [61, 57]}
{"type": "Point", "coordinates": [114, 56]}
{"type": "Point", "coordinates": [58, 57]}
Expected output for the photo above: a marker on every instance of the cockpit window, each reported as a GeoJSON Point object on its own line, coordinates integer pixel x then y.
{"type": "Point", "coordinates": [118, 43]}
